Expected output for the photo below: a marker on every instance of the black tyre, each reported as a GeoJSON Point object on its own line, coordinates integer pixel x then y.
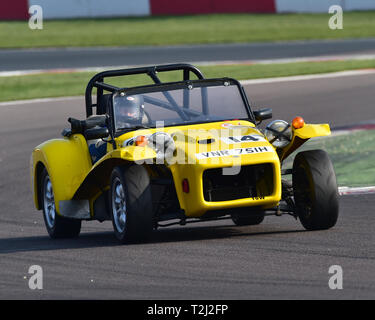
{"type": "Point", "coordinates": [131, 204]}
{"type": "Point", "coordinates": [315, 190]}
{"type": "Point", "coordinates": [57, 226]}
{"type": "Point", "coordinates": [248, 217]}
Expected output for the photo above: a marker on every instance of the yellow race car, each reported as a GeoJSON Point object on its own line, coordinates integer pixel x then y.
{"type": "Point", "coordinates": [178, 152]}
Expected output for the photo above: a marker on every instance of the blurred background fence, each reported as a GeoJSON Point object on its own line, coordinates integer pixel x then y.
{"type": "Point", "coordinates": [57, 9]}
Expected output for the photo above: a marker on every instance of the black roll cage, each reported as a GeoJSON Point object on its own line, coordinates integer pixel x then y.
{"type": "Point", "coordinates": [98, 82]}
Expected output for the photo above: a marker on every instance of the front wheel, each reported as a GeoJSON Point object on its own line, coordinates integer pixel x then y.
{"type": "Point", "coordinates": [315, 190]}
{"type": "Point", "coordinates": [57, 226]}
{"type": "Point", "coordinates": [131, 203]}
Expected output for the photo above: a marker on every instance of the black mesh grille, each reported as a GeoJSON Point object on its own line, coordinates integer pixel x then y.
{"type": "Point", "coordinates": [255, 181]}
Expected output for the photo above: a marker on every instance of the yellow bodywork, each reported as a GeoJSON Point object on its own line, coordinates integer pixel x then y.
{"type": "Point", "coordinates": [300, 136]}
{"type": "Point", "coordinates": [68, 162]}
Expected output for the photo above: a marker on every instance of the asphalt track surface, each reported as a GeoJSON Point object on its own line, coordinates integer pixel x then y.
{"type": "Point", "coordinates": [52, 58]}
{"type": "Point", "coordinates": [214, 260]}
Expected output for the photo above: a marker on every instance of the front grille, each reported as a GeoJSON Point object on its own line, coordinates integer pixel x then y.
{"type": "Point", "coordinates": [255, 181]}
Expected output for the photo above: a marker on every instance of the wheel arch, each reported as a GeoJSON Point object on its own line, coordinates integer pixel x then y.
{"type": "Point", "coordinates": [302, 135]}
{"type": "Point", "coordinates": [98, 179]}
{"type": "Point", "coordinates": [67, 162]}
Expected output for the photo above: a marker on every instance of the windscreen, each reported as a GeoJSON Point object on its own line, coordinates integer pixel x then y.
{"type": "Point", "coordinates": [180, 106]}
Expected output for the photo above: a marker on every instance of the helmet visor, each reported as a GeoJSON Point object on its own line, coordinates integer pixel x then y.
{"type": "Point", "coordinates": [128, 109]}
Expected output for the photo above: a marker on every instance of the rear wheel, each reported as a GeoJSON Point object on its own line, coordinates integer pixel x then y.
{"type": "Point", "coordinates": [248, 217]}
{"type": "Point", "coordinates": [315, 190]}
{"type": "Point", "coordinates": [57, 226]}
{"type": "Point", "coordinates": [131, 204]}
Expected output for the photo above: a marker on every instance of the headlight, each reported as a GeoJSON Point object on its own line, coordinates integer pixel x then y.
{"type": "Point", "coordinates": [278, 133]}
{"type": "Point", "coordinates": [163, 144]}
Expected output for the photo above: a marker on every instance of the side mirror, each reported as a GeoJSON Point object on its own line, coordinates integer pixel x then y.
{"type": "Point", "coordinates": [96, 133]}
{"type": "Point", "coordinates": [80, 126]}
{"type": "Point", "coordinates": [263, 114]}
{"type": "Point", "coordinates": [97, 120]}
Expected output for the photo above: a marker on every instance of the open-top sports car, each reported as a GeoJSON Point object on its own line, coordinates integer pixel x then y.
{"type": "Point", "coordinates": [178, 152]}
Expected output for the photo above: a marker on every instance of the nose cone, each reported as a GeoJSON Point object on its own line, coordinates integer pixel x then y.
{"type": "Point", "coordinates": [222, 145]}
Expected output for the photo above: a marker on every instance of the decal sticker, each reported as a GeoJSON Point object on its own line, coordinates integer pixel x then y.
{"type": "Point", "coordinates": [233, 125]}
{"type": "Point", "coordinates": [128, 142]}
{"type": "Point", "coordinates": [240, 139]}
{"type": "Point", "coordinates": [232, 152]}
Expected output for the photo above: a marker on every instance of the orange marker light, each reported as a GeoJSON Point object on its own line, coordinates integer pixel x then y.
{"type": "Point", "coordinates": [298, 123]}
{"type": "Point", "coordinates": [141, 141]}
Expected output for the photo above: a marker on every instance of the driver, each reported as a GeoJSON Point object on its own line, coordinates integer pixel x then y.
{"type": "Point", "coordinates": [129, 111]}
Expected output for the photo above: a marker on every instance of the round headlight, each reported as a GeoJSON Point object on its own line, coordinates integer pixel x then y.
{"type": "Point", "coordinates": [278, 133]}
{"type": "Point", "coordinates": [163, 144]}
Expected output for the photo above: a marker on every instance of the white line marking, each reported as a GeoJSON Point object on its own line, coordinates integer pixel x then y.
{"type": "Point", "coordinates": [310, 77]}
{"type": "Point", "coordinates": [356, 190]}
{"type": "Point", "coordinates": [41, 100]}
{"type": "Point", "coordinates": [288, 60]}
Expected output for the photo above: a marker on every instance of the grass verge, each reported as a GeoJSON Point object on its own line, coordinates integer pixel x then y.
{"type": "Point", "coordinates": [71, 84]}
{"type": "Point", "coordinates": [173, 30]}
{"type": "Point", "coordinates": [353, 157]}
